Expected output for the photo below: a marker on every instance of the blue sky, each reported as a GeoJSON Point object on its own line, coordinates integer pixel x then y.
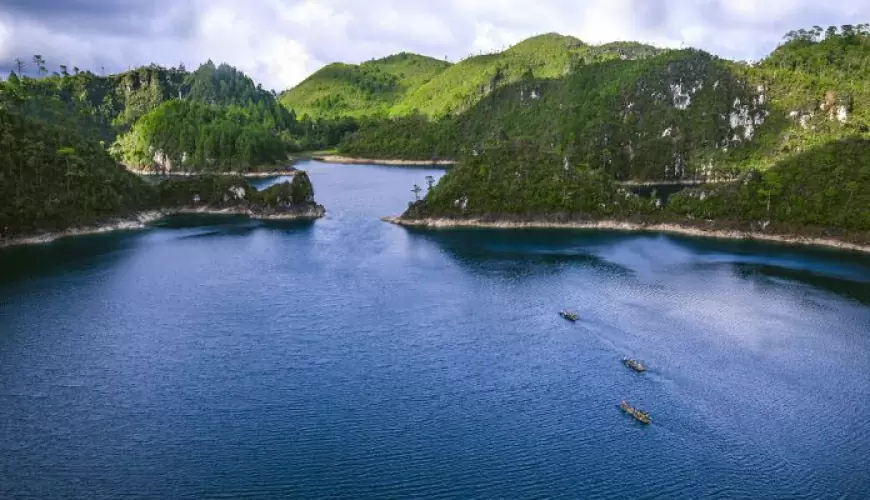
{"type": "Point", "coordinates": [280, 42]}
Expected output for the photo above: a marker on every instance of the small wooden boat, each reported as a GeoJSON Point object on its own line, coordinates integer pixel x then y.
{"type": "Point", "coordinates": [634, 365]}
{"type": "Point", "coordinates": [568, 315]}
{"type": "Point", "coordinates": [641, 416]}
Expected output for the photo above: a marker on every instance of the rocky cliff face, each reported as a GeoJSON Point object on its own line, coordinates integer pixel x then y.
{"type": "Point", "coordinates": [668, 117]}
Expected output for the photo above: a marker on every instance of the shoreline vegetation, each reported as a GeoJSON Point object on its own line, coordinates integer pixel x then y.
{"type": "Point", "coordinates": [142, 219]}
{"type": "Point", "coordinates": [349, 160]}
{"type": "Point", "coordinates": [616, 225]}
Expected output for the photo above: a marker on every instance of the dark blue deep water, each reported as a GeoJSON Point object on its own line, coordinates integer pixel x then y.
{"type": "Point", "coordinates": [351, 358]}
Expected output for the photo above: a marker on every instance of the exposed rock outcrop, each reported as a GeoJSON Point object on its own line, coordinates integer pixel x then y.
{"type": "Point", "coordinates": [234, 195]}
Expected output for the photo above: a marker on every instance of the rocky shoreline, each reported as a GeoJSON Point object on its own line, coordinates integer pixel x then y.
{"type": "Point", "coordinates": [671, 228]}
{"type": "Point", "coordinates": [137, 221]}
{"type": "Point", "coordinates": [308, 213]}
{"type": "Point", "coordinates": [249, 175]}
{"type": "Point", "coordinates": [370, 161]}
{"type": "Point", "coordinates": [142, 219]}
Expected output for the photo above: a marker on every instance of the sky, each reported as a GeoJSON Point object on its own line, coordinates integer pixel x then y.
{"type": "Point", "coordinates": [280, 42]}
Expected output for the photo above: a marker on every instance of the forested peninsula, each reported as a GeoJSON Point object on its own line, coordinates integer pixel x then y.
{"type": "Point", "coordinates": [70, 141]}
{"type": "Point", "coordinates": [632, 137]}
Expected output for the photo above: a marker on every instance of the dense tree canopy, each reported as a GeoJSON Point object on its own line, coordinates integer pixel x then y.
{"type": "Point", "coordinates": [56, 172]}
{"type": "Point", "coordinates": [52, 177]}
{"type": "Point", "coordinates": [825, 187]}
{"type": "Point", "coordinates": [192, 136]}
{"type": "Point", "coordinates": [519, 178]}
{"type": "Point", "coordinates": [223, 84]}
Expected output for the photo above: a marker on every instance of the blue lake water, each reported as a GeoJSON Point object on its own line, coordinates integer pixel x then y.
{"type": "Point", "coordinates": [349, 358]}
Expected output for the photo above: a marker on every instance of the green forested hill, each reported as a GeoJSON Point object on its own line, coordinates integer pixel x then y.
{"type": "Point", "coordinates": [192, 136]}
{"type": "Point", "coordinates": [522, 179]}
{"type": "Point", "coordinates": [220, 120]}
{"type": "Point", "coordinates": [542, 57]}
{"type": "Point", "coordinates": [816, 84]}
{"type": "Point", "coordinates": [823, 192]}
{"type": "Point", "coordinates": [222, 85]}
{"type": "Point", "coordinates": [660, 117]}
{"type": "Point", "coordinates": [101, 105]}
{"type": "Point", "coordinates": [368, 89]}
{"type": "Point", "coordinates": [668, 116]}
{"type": "Point", "coordinates": [228, 122]}
{"type": "Point", "coordinates": [115, 102]}
{"type": "Point", "coordinates": [53, 177]}
{"type": "Point", "coordinates": [56, 134]}
{"type": "Point", "coordinates": [825, 188]}
{"type": "Point", "coordinates": [789, 135]}
{"type": "Point", "coordinates": [406, 84]}
{"type": "Point", "coordinates": [654, 118]}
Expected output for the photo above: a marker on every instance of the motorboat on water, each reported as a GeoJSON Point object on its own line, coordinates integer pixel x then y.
{"type": "Point", "coordinates": [568, 315]}
{"type": "Point", "coordinates": [641, 416]}
{"type": "Point", "coordinates": [634, 364]}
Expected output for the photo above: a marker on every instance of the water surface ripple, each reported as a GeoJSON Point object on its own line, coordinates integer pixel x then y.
{"type": "Point", "coordinates": [229, 358]}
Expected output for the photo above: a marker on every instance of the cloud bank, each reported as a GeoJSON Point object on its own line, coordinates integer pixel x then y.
{"type": "Point", "coordinates": [280, 42]}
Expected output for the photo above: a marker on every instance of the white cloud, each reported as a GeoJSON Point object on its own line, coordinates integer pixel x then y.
{"type": "Point", "coordinates": [279, 42]}
{"type": "Point", "coordinates": [5, 36]}
{"type": "Point", "coordinates": [753, 9]}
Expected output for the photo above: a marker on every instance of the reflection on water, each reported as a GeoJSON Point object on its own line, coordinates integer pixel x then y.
{"type": "Point", "coordinates": [854, 289]}
{"type": "Point", "coordinates": [64, 255]}
{"type": "Point", "coordinates": [658, 257]}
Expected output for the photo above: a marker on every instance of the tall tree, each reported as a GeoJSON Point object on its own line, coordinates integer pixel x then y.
{"type": "Point", "coordinates": [39, 62]}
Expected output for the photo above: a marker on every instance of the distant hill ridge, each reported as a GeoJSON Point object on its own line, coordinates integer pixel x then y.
{"type": "Point", "coordinates": [367, 89]}
{"type": "Point", "coordinates": [405, 83]}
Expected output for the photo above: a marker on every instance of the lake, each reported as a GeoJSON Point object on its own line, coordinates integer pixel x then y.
{"type": "Point", "coordinates": [350, 358]}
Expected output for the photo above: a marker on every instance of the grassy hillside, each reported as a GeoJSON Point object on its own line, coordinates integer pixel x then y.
{"type": "Point", "coordinates": [543, 57]}
{"type": "Point", "coordinates": [406, 84]}
{"type": "Point", "coordinates": [368, 89]}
